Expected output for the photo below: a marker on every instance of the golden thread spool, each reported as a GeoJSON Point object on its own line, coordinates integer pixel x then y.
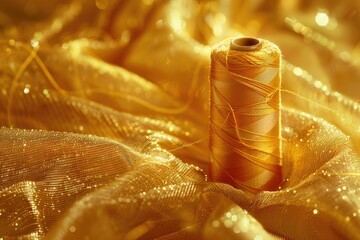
{"type": "Point", "coordinates": [245, 132]}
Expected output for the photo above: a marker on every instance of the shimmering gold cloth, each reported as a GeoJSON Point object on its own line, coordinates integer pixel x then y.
{"type": "Point", "coordinates": [104, 109]}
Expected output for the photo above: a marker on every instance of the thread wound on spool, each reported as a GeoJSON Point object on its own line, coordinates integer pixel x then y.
{"type": "Point", "coordinates": [245, 115]}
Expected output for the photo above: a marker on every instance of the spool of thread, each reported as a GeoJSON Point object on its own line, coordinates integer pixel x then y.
{"type": "Point", "coordinates": [245, 132]}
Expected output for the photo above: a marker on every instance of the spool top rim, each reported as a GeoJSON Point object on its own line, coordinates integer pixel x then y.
{"type": "Point", "coordinates": [245, 44]}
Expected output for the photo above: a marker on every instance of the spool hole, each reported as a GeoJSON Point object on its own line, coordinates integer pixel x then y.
{"type": "Point", "coordinates": [245, 44]}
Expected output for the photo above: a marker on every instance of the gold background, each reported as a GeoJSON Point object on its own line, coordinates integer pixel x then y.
{"type": "Point", "coordinates": [104, 108]}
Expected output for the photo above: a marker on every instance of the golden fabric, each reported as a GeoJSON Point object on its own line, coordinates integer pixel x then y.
{"type": "Point", "coordinates": [104, 106]}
